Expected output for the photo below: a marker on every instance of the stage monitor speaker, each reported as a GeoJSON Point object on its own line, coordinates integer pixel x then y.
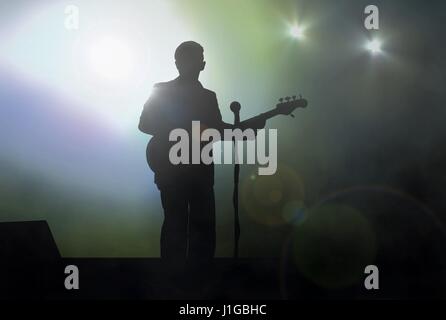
{"type": "Point", "coordinates": [27, 240]}
{"type": "Point", "coordinates": [29, 260]}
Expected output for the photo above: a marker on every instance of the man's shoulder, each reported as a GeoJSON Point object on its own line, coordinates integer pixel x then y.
{"type": "Point", "coordinates": [163, 89]}
{"type": "Point", "coordinates": [209, 92]}
{"type": "Point", "coordinates": [164, 85]}
{"type": "Point", "coordinates": [167, 86]}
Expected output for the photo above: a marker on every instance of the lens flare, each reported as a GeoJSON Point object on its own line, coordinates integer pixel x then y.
{"type": "Point", "coordinates": [374, 46]}
{"type": "Point", "coordinates": [294, 212]}
{"type": "Point", "coordinates": [333, 245]}
{"type": "Point", "coordinates": [354, 227]}
{"type": "Point", "coordinates": [297, 32]}
{"type": "Point", "coordinates": [273, 200]}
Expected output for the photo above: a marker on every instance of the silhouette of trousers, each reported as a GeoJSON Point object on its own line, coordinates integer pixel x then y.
{"type": "Point", "coordinates": [188, 229]}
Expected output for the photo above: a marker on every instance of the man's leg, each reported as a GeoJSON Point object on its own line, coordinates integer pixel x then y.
{"type": "Point", "coordinates": [174, 229]}
{"type": "Point", "coordinates": [202, 223]}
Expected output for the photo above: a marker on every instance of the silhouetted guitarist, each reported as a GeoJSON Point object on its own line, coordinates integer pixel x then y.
{"type": "Point", "coordinates": [187, 190]}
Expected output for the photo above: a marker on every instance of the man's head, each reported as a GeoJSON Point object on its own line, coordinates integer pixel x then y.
{"type": "Point", "coordinates": [189, 59]}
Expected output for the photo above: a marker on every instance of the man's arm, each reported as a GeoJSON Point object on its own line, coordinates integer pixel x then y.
{"type": "Point", "coordinates": [254, 123]}
{"type": "Point", "coordinates": [151, 120]}
{"type": "Point", "coordinates": [145, 124]}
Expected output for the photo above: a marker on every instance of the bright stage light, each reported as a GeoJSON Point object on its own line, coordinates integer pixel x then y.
{"type": "Point", "coordinates": [374, 46]}
{"type": "Point", "coordinates": [297, 32]}
{"type": "Point", "coordinates": [107, 67]}
{"type": "Point", "coordinates": [111, 58]}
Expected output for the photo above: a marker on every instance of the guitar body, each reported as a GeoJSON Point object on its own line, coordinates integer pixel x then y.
{"type": "Point", "coordinates": [149, 155]}
{"type": "Point", "coordinates": [157, 155]}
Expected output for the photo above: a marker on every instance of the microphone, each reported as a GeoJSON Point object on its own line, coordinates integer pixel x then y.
{"type": "Point", "coordinates": [235, 108]}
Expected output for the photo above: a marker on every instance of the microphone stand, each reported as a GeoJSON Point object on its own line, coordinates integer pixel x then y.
{"type": "Point", "coordinates": [235, 108]}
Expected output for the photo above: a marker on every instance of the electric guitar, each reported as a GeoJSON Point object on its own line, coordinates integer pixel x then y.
{"type": "Point", "coordinates": [286, 106]}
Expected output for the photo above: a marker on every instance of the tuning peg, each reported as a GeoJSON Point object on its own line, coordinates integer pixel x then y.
{"type": "Point", "coordinates": [281, 100]}
{"type": "Point", "coordinates": [294, 97]}
{"type": "Point", "coordinates": [300, 96]}
{"type": "Point", "coordinates": [287, 99]}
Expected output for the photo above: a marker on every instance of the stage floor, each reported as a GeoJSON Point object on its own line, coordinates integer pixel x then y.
{"type": "Point", "coordinates": [219, 279]}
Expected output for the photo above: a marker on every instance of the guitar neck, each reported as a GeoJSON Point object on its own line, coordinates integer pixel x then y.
{"type": "Point", "coordinates": [284, 108]}
{"type": "Point", "coordinates": [269, 114]}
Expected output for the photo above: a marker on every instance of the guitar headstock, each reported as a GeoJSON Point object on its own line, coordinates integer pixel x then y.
{"type": "Point", "coordinates": [288, 104]}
